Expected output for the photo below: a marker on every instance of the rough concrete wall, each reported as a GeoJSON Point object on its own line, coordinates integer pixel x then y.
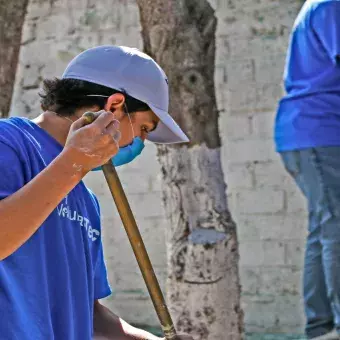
{"type": "Point", "coordinates": [251, 42]}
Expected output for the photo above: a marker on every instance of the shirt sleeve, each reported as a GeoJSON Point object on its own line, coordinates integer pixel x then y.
{"type": "Point", "coordinates": [326, 24]}
{"type": "Point", "coordinates": [11, 171]}
{"type": "Point", "coordinates": [101, 285]}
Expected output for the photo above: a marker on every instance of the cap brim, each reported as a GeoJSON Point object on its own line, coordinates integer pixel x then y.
{"type": "Point", "coordinates": [167, 131]}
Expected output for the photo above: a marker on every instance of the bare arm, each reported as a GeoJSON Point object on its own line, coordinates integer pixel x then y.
{"type": "Point", "coordinates": [20, 218]}
{"type": "Point", "coordinates": [109, 326]}
{"type": "Point", "coordinates": [87, 147]}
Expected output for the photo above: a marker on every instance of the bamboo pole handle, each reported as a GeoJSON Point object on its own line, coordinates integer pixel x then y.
{"type": "Point", "coordinates": [137, 245]}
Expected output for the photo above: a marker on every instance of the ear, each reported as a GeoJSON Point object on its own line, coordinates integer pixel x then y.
{"type": "Point", "coordinates": [115, 103]}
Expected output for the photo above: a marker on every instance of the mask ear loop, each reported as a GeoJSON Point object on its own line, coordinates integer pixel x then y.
{"type": "Point", "coordinates": [127, 112]}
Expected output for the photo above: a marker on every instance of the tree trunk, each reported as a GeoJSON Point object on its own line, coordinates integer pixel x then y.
{"type": "Point", "coordinates": [203, 289]}
{"type": "Point", "coordinates": [12, 16]}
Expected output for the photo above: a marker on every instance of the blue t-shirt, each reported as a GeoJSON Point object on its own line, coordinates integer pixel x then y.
{"type": "Point", "coordinates": [309, 115]}
{"type": "Point", "coordinates": [48, 286]}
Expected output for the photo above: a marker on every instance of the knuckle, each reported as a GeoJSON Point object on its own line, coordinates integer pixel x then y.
{"type": "Point", "coordinates": [106, 138]}
{"type": "Point", "coordinates": [94, 129]}
{"type": "Point", "coordinates": [97, 114]}
{"type": "Point", "coordinates": [109, 114]}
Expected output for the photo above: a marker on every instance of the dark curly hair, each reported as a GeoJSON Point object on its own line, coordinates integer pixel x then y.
{"type": "Point", "coordinates": [65, 96]}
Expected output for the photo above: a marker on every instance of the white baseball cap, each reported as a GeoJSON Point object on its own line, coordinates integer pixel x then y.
{"type": "Point", "coordinates": [135, 73]}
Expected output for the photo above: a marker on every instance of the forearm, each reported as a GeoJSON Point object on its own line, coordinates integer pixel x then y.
{"type": "Point", "coordinates": [109, 326]}
{"type": "Point", "coordinates": [22, 213]}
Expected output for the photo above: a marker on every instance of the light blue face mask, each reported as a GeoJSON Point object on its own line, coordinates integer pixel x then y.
{"type": "Point", "coordinates": [128, 153]}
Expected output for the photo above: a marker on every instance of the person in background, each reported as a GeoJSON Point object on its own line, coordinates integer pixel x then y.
{"type": "Point", "coordinates": [307, 136]}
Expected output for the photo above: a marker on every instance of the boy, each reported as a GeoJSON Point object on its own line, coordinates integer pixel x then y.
{"type": "Point", "coordinates": [52, 272]}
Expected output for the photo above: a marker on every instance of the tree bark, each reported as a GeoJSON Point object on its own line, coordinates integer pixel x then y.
{"type": "Point", "coordinates": [12, 16]}
{"type": "Point", "coordinates": [203, 287]}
